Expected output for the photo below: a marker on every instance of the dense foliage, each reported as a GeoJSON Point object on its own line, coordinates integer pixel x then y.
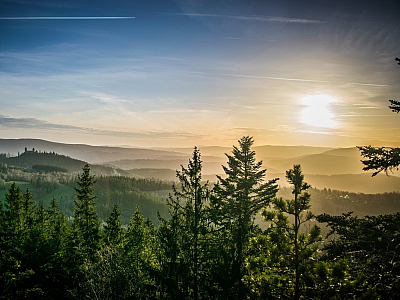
{"type": "Point", "coordinates": [205, 246]}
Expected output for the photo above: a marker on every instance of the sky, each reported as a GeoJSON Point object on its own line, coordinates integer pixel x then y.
{"type": "Point", "coordinates": [181, 73]}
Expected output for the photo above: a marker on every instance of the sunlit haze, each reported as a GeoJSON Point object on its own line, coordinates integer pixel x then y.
{"type": "Point", "coordinates": [317, 112]}
{"type": "Point", "coordinates": [184, 73]}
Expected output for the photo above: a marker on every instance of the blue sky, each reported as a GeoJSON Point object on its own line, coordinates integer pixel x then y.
{"type": "Point", "coordinates": [185, 73]}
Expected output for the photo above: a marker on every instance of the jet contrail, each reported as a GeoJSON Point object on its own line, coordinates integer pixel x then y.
{"type": "Point", "coordinates": [248, 18]}
{"type": "Point", "coordinates": [64, 18]}
{"type": "Point", "coordinates": [288, 79]}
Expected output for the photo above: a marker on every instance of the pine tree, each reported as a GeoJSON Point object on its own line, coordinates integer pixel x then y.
{"type": "Point", "coordinates": [85, 220]}
{"type": "Point", "coordinates": [139, 247]}
{"type": "Point", "coordinates": [193, 194]}
{"type": "Point", "coordinates": [14, 212]}
{"type": "Point", "coordinates": [282, 256]}
{"type": "Point", "coordinates": [235, 202]}
{"type": "Point", "coordinates": [112, 229]}
{"type": "Point", "coordinates": [184, 236]}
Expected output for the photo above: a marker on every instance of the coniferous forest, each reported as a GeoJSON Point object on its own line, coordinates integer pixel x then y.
{"type": "Point", "coordinates": [206, 245]}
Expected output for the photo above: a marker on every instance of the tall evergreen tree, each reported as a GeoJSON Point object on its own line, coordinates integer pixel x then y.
{"type": "Point", "coordinates": [113, 229]}
{"type": "Point", "coordinates": [235, 202]}
{"type": "Point", "coordinates": [14, 218]}
{"type": "Point", "coordinates": [194, 194]}
{"type": "Point", "coordinates": [85, 220]}
{"type": "Point", "coordinates": [184, 236]}
{"type": "Point", "coordinates": [140, 247]}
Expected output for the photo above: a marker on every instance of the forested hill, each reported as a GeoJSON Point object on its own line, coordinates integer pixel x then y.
{"type": "Point", "coordinates": [45, 160]}
{"type": "Point", "coordinates": [89, 153]}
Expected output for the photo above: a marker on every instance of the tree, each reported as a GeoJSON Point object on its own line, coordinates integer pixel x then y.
{"type": "Point", "coordinates": [112, 229]}
{"type": "Point", "coordinates": [283, 253]}
{"type": "Point", "coordinates": [11, 272]}
{"type": "Point", "coordinates": [371, 246]}
{"type": "Point", "coordinates": [235, 202]}
{"type": "Point", "coordinates": [139, 248]}
{"type": "Point", "coordinates": [195, 195]}
{"type": "Point", "coordinates": [382, 158]}
{"type": "Point", "coordinates": [108, 277]}
{"type": "Point", "coordinates": [187, 229]}
{"type": "Point", "coordinates": [85, 220]}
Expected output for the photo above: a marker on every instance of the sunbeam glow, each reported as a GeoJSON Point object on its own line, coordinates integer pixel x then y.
{"type": "Point", "coordinates": [317, 112]}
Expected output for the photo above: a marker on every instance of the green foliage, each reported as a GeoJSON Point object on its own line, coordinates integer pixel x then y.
{"type": "Point", "coordinates": [184, 237]}
{"type": "Point", "coordinates": [109, 276]}
{"type": "Point", "coordinates": [113, 233]}
{"type": "Point", "coordinates": [235, 202]}
{"type": "Point", "coordinates": [44, 159]}
{"type": "Point", "coordinates": [85, 220]}
{"type": "Point", "coordinates": [204, 249]}
{"type": "Point", "coordinates": [371, 247]}
{"type": "Point", "coordinates": [140, 248]}
{"type": "Point", "coordinates": [283, 256]}
{"type": "Point", "coordinates": [129, 193]}
{"type": "Point", "coordinates": [47, 168]}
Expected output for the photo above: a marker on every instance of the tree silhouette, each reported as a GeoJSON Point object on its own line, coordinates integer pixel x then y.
{"type": "Point", "coordinates": [383, 158]}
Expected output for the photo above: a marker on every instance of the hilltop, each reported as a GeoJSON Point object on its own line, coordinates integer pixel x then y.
{"type": "Point", "coordinates": [324, 167]}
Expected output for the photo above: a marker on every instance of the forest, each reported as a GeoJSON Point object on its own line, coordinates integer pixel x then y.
{"type": "Point", "coordinates": [204, 243]}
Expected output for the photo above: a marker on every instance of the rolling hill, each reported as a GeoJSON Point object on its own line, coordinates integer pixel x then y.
{"type": "Point", "coordinates": [335, 168]}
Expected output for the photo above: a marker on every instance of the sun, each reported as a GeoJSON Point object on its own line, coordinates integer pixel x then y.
{"type": "Point", "coordinates": [317, 112]}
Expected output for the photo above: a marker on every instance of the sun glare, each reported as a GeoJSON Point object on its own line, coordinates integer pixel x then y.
{"type": "Point", "coordinates": [317, 112]}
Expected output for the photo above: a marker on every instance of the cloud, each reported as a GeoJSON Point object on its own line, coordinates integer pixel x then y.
{"type": "Point", "coordinates": [288, 79]}
{"type": "Point", "coordinates": [249, 18]}
{"type": "Point", "coordinates": [37, 124]}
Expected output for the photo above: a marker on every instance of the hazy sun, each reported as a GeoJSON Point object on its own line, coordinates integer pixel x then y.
{"type": "Point", "coordinates": [317, 111]}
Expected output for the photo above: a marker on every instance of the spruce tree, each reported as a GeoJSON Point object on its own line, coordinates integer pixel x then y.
{"type": "Point", "coordinates": [184, 236]}
{"type": "Point", "coordinates": [235, 202]}
{"type": "Point", "coordinates": [193, 194]}
{"type": "Point", "coordinates": [85, 220]}
{"type": "Point", "coordinates": [112, 229]}
{"type": "Point", "coordinates": [139, 247]}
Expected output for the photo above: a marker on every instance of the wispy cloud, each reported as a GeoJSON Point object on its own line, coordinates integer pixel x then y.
{"type": "Point", "coordinates": [37, 124]}
{"type": "Point", "coordinates": [249, 18]}
{"type": "Point", "coordinates": [288, 79]}
{"type": "Point", "coordinates": [64, 18]}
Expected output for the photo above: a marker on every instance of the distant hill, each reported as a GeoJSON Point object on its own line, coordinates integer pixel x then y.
{"type": "Point", "coordinates": [30, 159]}
{"type": "Point", "coordinates": [27, 160]}
{"type": "Point", "coordinates": [357, 183]}
{"type": "Point", "coordinates": [262, 152]}
{"type": "Point", "coordinates": [322, 164]}
{"type": "Point", "coordinates": [335, 168]}
{"type": "Point", "coordinates": [163, 174]}
{"type": "Point", "coordinates": [91, 154]}
{"type": "Point", "coordinates": [209, 167]}
{"type": "Point", "coordinates": [269, 152]}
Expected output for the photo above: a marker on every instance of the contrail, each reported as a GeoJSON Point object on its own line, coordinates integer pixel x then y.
{"type": "Point", "coordinates": [64, 18]}
{"type": "Point", "coordinates": [249, 18]}
{"type": "Point", "coordinates": [287, 79]}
